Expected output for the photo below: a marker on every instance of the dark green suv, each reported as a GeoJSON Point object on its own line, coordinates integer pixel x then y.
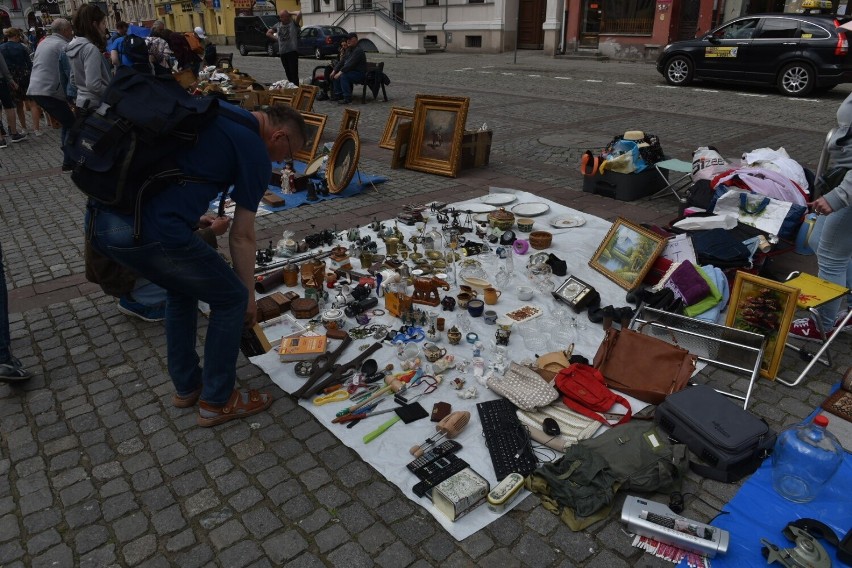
{"type": "Point", "coordinates": [795, 52]}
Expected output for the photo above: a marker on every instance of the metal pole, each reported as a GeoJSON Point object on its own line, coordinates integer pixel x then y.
{"type": "Point", "coordinates": [517, 30]}
{"type": "Point", "coordinates": [395, 32]}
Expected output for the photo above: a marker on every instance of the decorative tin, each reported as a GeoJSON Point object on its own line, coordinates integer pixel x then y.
{"type": "Point", "coordinates": [501, 219]}
{"type": "Point", "coordinates": [333, 319]}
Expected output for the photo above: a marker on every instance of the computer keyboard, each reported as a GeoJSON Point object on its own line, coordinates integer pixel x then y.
{"type": "Point", "coordinates": [507, 440]}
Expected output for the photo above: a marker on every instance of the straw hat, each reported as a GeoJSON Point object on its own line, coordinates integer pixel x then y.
{"type": "Point", "coordinates": [635, 135]}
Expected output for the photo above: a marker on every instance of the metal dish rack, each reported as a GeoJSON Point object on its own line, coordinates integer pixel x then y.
{"type": "Point", "coordinates": [726, 347]}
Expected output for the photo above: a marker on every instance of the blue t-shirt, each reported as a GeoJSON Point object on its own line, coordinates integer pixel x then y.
{"type": "Point", "coordinates": [117, 44]}
{"type": "Point", "coordinates": [227, 153]}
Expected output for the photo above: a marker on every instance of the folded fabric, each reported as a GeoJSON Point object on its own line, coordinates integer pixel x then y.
{"type": "Point", "coordinates": [708, 302]}
{"type": "Point", "coordinates": [687, 283]}
{"type": "Point", "coordinates": [714, 314]}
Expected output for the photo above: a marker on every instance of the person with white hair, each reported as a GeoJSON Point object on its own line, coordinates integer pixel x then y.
{"type": "Point", "coordinates": [49, 80]}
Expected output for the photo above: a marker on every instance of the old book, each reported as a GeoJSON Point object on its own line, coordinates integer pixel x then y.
{"type": "Point", "coordinates": [303, 348]}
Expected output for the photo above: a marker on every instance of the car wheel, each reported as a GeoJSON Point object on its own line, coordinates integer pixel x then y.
{"type": "Point", "coordinates": [243, 49]}
{"type": "Point", "coordinates": [270, 50]}
{"type": "Point", "coordinates": [318, 53]}
{"type": "Point", "coordinates": [796, 80]}
{"type": "Point", "coordinates": [678, 71]}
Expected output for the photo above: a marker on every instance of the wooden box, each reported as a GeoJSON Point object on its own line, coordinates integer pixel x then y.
{"type": "Point", "coordinates": [476, 148]}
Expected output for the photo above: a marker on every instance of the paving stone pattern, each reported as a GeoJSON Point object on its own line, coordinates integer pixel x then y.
{"type": "Point", "coordinates": [99, 470]}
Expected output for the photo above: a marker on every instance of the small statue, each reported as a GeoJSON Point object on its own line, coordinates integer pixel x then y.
{"type": "Point", "coordinates": [288, 179]}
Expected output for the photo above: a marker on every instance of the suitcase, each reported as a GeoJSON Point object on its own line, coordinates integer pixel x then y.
{"type": "Point", "coordinates": [625, 187]}
{"type": "Point", "coordinates": [730, 442]}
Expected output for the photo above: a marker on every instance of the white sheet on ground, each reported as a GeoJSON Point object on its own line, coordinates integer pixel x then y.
{"type": "Point", "coordinates": [389, 453]}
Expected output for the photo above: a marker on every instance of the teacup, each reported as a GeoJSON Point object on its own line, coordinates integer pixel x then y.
{"type": "Point", "coordinates": [490, 317]}
{"type": "Point", "coordinates": [525, 293]}
{"type": "Point", "coordinates": [433, 352]}
{"type": "Point", "coordinates": [525, 225]}
{"type": "Point", "coordinates": [475, 308]}
{"type": "Point", "coordinates": [463, 299]}
{"type": "Point", "coordinates": [407, 351]}
{"type": "Point", "coordinates": [468, 290]}
{"type": "Point", "coordinates": [492, 295]}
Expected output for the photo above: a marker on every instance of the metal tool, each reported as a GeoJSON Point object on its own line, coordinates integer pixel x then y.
{"type": "Point", "coordinates": [449, 427]}
{"type": "Point", "coordinates": [807, 552]}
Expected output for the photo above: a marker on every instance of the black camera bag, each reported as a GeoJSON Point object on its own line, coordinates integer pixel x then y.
{"type": "Point", "coordinates": [730, 442]}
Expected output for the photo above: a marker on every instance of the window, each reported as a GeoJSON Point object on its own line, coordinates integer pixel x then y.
{"type": "Point", "coordinates": [741, 29]}
{"type": "Point", "coordinates": [431, 2]}
{"type": "Point", "coordinates": [340, 5]}
{"type": "Point", "coordinates": [473, 41]}
{"type": "Point", "coordinates": [813, 31]}
{"type": "Point", "coordinates": [634, 17]}
{"type": "Point", "coordinates": [778, 28]}
{"type": "Point", "coordinates": [475, 1]}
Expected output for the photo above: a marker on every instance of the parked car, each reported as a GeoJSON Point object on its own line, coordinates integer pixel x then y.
{"type": "Point", "coordinates": [320, 41]}
{"type": "Point", "coordinates": [795, 52]}
{"type": "Point", "coordinates": [250, 34]}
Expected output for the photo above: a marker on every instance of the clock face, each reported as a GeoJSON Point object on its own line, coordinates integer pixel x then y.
{"type": "Point", "coordinates": [571, 290]}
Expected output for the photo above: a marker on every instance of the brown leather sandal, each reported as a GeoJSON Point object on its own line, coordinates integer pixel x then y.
{"type": "Point", "coordinates": [236, 407]}
{"type": "Point", "coordinates": [186, 401]}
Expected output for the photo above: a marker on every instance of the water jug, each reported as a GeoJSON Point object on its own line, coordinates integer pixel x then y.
{"type": "Point", "coordinates": [804, 460]}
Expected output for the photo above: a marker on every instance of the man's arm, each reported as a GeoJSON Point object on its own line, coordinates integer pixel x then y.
{"type": "Point", "coordinates": [242, 244]}
{"type": "Point", "coordinates": [270, 33]}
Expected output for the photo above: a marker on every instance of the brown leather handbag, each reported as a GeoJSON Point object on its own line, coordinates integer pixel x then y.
{"type": "Point", "coordinates": [643, 366]}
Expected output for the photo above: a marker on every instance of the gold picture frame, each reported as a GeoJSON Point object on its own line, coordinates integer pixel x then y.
{"type": "Point", "coordinates": [400, 148]}
{"type": "Point", "coordinates": [765, 307]}
{"type": "Point", "coordinates": [314, 124]}
{"type": "Point", "coordinates": [281, 100]}
{"type": "Point", "coordinates": [437, 128]}
{"type": "Point", "coordinates": [627, 252]}
{"type": "Point", "coordinates": [303, 100]}
{"type": "Point", "coordinates": [343, 161]}
{"type": "Point", "coordinates": [349, 120]}
{"type": "Point", "coordinates": [397, 114]}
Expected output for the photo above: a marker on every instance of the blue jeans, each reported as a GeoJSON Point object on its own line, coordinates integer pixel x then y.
{"type": "Point", "coordinates": [61, 112]}
{"type": "Point", "coordinates": [5, 337]}
{"type": "Point", "coordinates": [189, 272]}
{"type": "Point", "coordinates": [147, 293]}
{"type": "Point", "coordinates": [343, 84]}
{"type": "Point", "coordinates": [834, 257]}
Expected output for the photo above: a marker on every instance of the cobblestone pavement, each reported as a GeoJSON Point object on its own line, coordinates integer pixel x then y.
{"type": "Point", "coordinates": [98, 468]}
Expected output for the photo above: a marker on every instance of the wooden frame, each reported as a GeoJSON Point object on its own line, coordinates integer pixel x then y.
{"type": "Point", "coordinates": [397, 114]}
{"type": "Point", "coordinates": [343, 160]}
{"type": "Point", "coordinates": [766, 307]}
{"type": "Point", "coordinates": [349, 120]}
{"type": "Point", "coordinates": [627, 252]}
{"type": "Point", "coordinates": [315, 124]}
{"type": "Point", "coordinates": [303, 100]}
{"type": "Point", "coordinates": [437, 129]}
{"type": "Point", "coordinates": [281, 99]}
{"type": "Point", "coordinates": [400, 148]}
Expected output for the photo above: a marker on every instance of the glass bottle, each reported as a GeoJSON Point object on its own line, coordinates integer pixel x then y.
{"type": "Point", "coordinates": [804, 460]}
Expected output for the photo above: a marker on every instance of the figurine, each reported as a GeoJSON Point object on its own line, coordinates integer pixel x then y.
{"type": "Point", "coordinates": [288, 179]}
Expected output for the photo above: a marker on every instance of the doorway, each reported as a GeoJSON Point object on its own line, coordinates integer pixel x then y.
{"type": "Point", "coordinates": [590, 24]}
{"type": "Point", "coordinates": [531, 15]}
{"type": "Point", "coordinates": [688, 23]}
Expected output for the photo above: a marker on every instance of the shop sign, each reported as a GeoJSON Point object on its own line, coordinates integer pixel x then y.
{"type": "Point", "coordinates": [186, 7]}
{"type": "Point", "coordinates": [242, 4]}
{"type": "Point", "coordinates": [217, 4]}
{"type": "Point", "coordinates": [168, 8]}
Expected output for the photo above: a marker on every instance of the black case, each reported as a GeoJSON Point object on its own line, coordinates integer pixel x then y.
{"type": "Point", "coordinates": [625, 187]}
{"type": "Point", "coordinates": [730, 442]}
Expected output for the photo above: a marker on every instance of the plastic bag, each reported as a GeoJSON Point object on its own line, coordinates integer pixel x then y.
{"type": "Point", "coordinates": [707, 163]}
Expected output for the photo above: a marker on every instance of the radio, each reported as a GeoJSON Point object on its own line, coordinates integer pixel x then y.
{"type": "Point", "coordinates": [655, 520]}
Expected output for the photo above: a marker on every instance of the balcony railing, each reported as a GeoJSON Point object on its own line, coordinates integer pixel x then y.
{"type": "Point", "coordinates": [631, 26]}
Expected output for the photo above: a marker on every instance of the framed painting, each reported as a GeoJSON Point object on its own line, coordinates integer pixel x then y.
{"type": "Point", "coordinates": [304, 98]}
{"type": "Point", "coordinates": [349, 120]}
{"type": "Point", "coordinates": [314, 124]}
{"type": "Point", "coordinates": [397, 114]}
{"type": "Point", "coordinates": [437, 128]}
{"type": "Point", "coordinates": [766, 307]}
{"type": "Point", "coordinates": [343, 161]}
{"type": "Point", "coordinates": [400, 149]}
{"type": "Point", "coordinates": [281, 100]}
{"type": "Point", "coordinates": [627, 252]}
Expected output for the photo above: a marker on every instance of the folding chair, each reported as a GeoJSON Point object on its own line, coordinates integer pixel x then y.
{"type": "Point", "coordinates": [679, 184]}
{"type": "Point", "coordinates": [814, 292]}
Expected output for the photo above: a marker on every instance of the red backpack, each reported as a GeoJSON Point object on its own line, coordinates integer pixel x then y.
{"type": "Point", "coordinates": [584, 390]}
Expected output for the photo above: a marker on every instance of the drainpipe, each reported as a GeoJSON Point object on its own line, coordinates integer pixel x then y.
{"type": "Point", "coordinates": [446, 19]}
{"type": "Point", "coordinates": [562, 32]}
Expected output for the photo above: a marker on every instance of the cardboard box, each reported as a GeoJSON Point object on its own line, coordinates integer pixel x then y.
{"type": "Point", "coordinates": [476, 148]}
